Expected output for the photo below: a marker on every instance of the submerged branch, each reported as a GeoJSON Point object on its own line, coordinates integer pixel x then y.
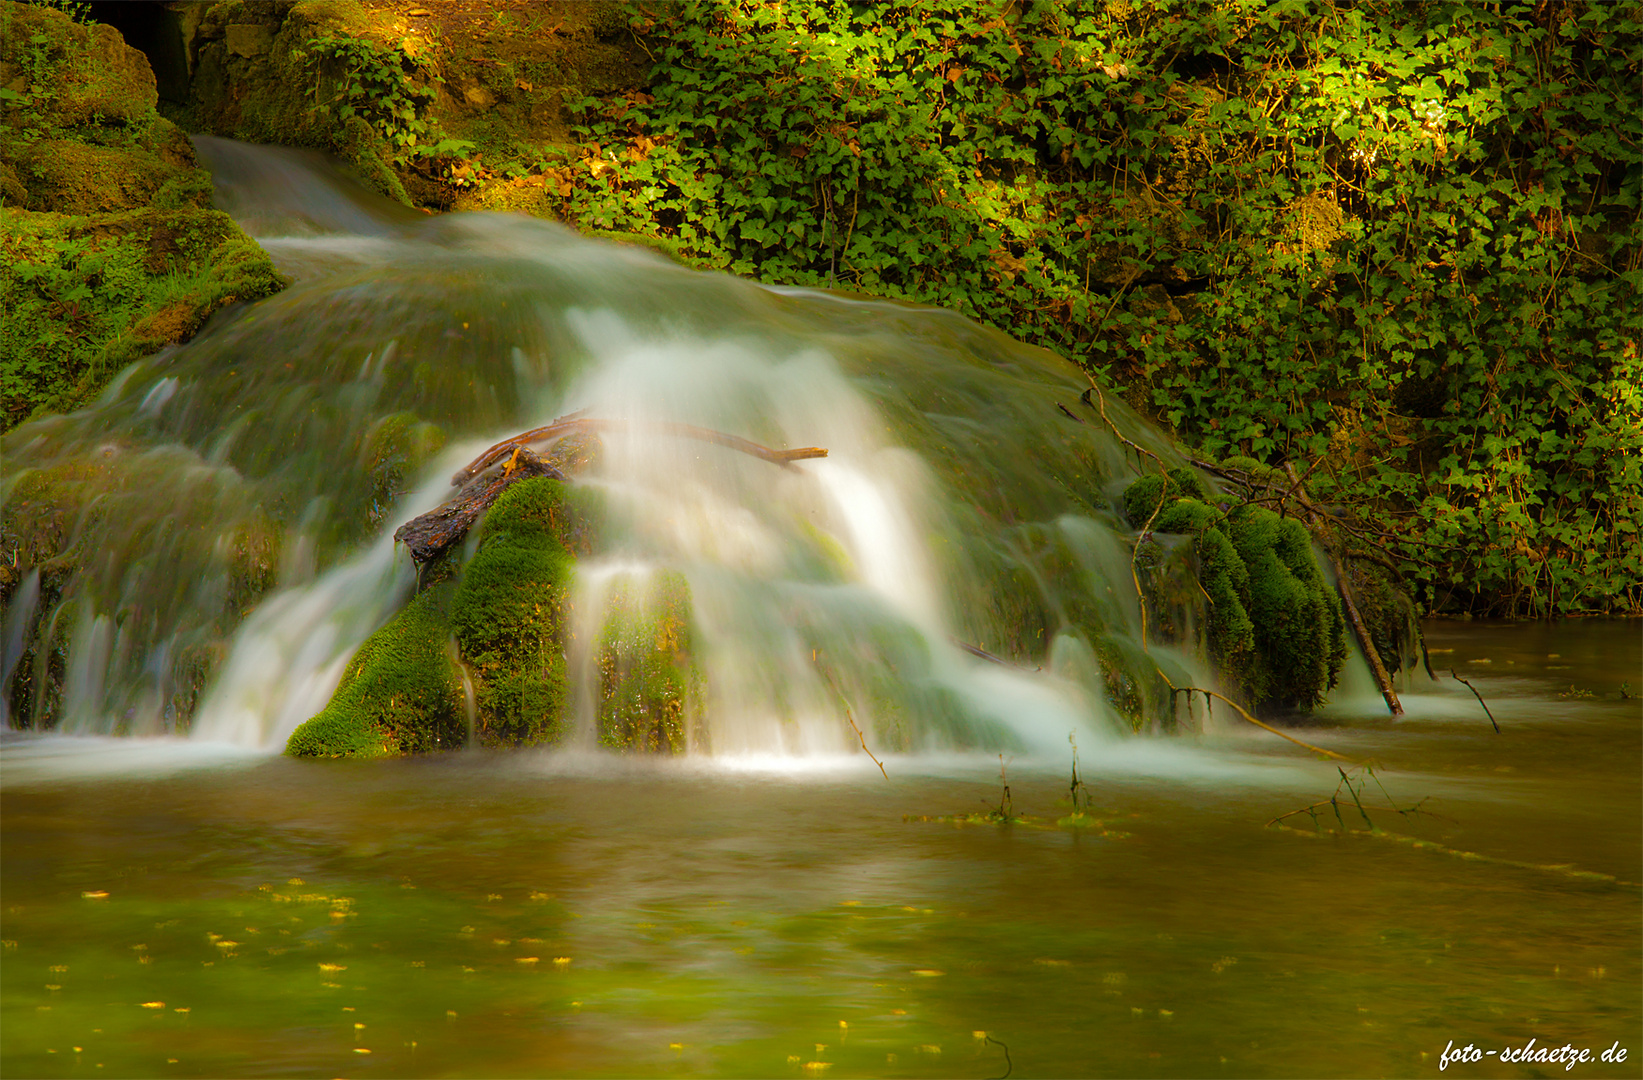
{"type": "Point", "coordinates": [1245, 714]}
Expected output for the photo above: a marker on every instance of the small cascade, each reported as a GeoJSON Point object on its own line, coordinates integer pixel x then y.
{"type": "Point", "coordinates": [954, 574]}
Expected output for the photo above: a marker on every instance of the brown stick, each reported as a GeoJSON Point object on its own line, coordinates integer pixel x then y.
{"type": "Point", "coordinates": [565, 425]}
{"type": "Point", "coordinates": [1344, 583]}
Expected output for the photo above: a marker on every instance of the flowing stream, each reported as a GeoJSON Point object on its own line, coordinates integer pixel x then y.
{"type": "Point", "coordinates": [179, 900]}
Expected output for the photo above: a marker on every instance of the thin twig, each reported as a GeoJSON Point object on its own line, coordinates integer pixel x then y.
{"type": "Point", "coordinates": [1245, 714]}
{"type": "Point", "coordinates": [851, 718]}
{"type": "Point", "coordinates": [1479, 696]}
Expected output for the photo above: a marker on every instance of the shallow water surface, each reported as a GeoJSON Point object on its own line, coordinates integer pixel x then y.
{"type": "Point", "coordinates": [178, 910]}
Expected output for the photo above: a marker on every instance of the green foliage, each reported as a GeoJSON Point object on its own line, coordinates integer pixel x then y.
{"type": "Point", "coordinates": [1275, 625]}
{"type": "Point", "coordinates": [1399, 239]}
{"type": "Point", "coordinates": [402, 693]}
{"type": "Point", "coordinates": [378, 83]}
{"type": "Point", "coordinates": [649, 686]}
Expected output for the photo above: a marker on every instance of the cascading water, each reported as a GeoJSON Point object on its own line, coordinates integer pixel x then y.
{"type": "Point", "coordinates": [229, 504]}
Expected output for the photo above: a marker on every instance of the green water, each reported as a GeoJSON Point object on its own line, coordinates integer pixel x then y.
{"type": "Point", "coordinates": [800, 917]}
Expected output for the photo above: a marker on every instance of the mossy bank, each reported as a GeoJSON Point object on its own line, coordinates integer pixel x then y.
{"type": "Point", "coordinates": [108, 247]}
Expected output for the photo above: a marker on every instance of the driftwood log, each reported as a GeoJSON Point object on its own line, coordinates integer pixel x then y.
{"type": "Point", "coordinates": [483, 480]}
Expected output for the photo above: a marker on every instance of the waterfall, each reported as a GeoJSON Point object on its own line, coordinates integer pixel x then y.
{"type": "Point", "coordinates": [953, 574]}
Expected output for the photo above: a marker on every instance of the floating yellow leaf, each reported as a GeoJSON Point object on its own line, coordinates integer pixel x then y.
{"type": "Point", "coordinates": [226, 944]}
{"type": "Point", "coordinates": [526, 959]}
{"type": "Point", "coordinates": [561, 959]}
{"type": "Point", "coordinates": [817, 1066]}
{"type": "Point", "coordinates": [183, 1009]}
{"type": "Point", "coordinates": [333, 967]}
{"type": "Point", "coordinates": [928, 973]}
{"type": "Point", "coordinates": [296, 881]}
{"type": "Point", "coordinates": [979, 1034]}
{"type": "Point", "coordinates": [361, 1050]}
{"type": "Point", "coordinates": [153, 1005]}
{"type": "Point", "coordinates": [929, 1049]}
{"type": "Point", "coordinates": [97, 895]}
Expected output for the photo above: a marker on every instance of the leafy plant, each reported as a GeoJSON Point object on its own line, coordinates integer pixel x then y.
{"type": "Point", "coordinates": [1399, 240]}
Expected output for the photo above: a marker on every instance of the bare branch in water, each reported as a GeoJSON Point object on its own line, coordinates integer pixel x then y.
{"type": "Point", "coordinates": [1479, 696]}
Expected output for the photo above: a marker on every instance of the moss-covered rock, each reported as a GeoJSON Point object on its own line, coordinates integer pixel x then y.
{"type": "Point", "coordinates": [1300, 633]}
{"type": "Point", "coordinates": [509, 613]}
{"type": "Point", "coordinates": [85, 296]}
{"type": "Point", "coordinates": [108, 247]}
{"type": "Point", "coordinates": [1275, 625]}
{"type": "Point", "coordinates": [402, 693]}
{"type": "Point", "coordinates": [650, 689]}
{"type": "Point", "coordinates": [503, 615]}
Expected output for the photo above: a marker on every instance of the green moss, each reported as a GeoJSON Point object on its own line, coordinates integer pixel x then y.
{"type": "Point", "coordinates": [85, 296]}
{"type": "Point", "coordinates": [108, 248]}
{"type": "Point", "coordinates": [1300, 633]}
{"type": "Point", "coordinates": [649, 686]}
{"type": "Point", "coordinates": [1143, 496]}
{"type": "Point", "coordinates": [402, 693]}
{"type": "Point", "coordinates": [393, 451]}
{"type": "Point", "coordinates": [1275, 625]}
{"type": "Point", "coordinates": [509, 613]}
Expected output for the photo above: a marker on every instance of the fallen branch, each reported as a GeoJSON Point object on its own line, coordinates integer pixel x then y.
{"type": "Point", "coordinates": [1245, 714]}
{"type": "Point", "coordinates": [567, 424]}
{"type": "Point", "coordinates": [434, 532]}
{"type": "Point", "coordinates": [849, 716]}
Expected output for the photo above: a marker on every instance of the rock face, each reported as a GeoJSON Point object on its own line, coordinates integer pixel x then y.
{"type": "Point", "coordinates": [503, 621]}
{"type": "Point", "coordinates": [110, 248]}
